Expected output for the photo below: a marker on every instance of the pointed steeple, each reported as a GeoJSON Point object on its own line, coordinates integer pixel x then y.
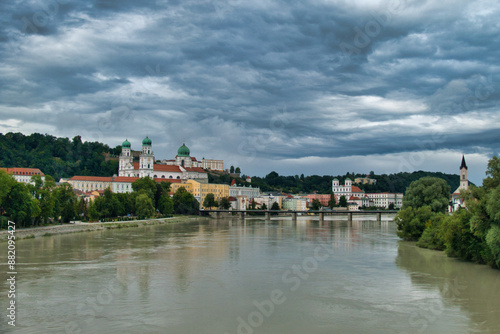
{"type": "Point", "coordinates": [463, 164]}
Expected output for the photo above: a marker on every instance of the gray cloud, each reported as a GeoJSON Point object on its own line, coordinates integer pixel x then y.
{"type": "Point", "coordinates": [275, 81]}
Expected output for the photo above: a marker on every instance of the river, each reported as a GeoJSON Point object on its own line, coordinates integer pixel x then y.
{"type": "Point", "coordinates": [228, 276]}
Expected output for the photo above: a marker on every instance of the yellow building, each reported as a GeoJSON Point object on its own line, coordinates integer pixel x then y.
{"type": "Point", "coordinates": [200, 190]}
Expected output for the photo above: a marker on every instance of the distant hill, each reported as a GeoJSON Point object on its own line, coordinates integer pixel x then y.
{"type": "Point", "coordinates": [57, 157]}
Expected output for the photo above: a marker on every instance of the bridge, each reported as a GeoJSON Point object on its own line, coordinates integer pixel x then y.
{"type": "Point", "coordinates": [294, 214]}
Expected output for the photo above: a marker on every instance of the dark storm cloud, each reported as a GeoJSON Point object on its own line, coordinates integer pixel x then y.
{"type": "Point", "coordinates": [283, 79]}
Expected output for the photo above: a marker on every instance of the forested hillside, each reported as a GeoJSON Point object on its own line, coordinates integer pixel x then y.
{"type": "Point", "coordinates": [322, 184]}
{"type": "Point", "coordinates": [58, 157]}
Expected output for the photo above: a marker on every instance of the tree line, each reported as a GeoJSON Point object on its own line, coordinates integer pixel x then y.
{"type": "Point", "coordinates": [397, 182]}
{"type": "Point", "coordinates": [59, 157]}
{"type": "Point", "coordinates": [43, 202]}
{"type": "Point", "coordinates": [471, 233]}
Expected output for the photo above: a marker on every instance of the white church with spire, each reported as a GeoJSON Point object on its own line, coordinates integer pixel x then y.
{"type": "Point", "coordinates": [456, 200]}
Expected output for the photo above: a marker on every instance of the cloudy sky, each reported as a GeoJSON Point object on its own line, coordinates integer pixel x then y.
{"type": "Point", "coordinates": [309, 86]}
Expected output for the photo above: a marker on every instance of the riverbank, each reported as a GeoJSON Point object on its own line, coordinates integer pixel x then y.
{"type": "Point", "coordinates": [35, 232]}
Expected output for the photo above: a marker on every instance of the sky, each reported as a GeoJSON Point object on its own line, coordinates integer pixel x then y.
{"type": "Point", "coordinates": [299, 87]}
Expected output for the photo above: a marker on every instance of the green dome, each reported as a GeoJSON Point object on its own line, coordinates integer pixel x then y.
{"type": "Point", "coordinates": [183, 151]}
{"type": "Point", "coordinates": [126, 144]}
{"type": "Point", "coordinates": [146, 141]}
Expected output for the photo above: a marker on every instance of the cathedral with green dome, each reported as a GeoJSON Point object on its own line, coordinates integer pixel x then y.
{"type": "Point", "coordinates": [182, 167]}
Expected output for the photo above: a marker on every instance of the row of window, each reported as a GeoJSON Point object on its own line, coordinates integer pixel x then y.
{"type": "Point", "coordinates": [27, 173]}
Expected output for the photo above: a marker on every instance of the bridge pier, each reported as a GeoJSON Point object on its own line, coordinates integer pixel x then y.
{"type": "Point", "coordinates": [268, 215]}
{"type": "Point", "coordinates": [217, 215]}
{"type": "Point", "coordinates": [242, 215]}
{"type": "Point", "coordinates": [349, 217]}
{"type": "Point", "coordinates": [379, 217]}
{"type": "Point", "coordinates": [321, 217]}
{"type": "Point", "coordinates": [294, 217]}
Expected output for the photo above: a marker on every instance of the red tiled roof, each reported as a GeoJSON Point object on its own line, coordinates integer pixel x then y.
{"type": "Point", "coordinates": [233, 182]}
{"type": "Point", "coordinates": [23, 171]}
{"type": "Point", "coordinates": [125, 179]}
{"type": "Point", "coordinates": [166, 168]}
{"type": "Point", "coordinates": [231, 198]}
{"type": "Point", "coordinates": [356, 189]}
{"type": "Point", "coordinates": [131, 179]}
{"type": "Point", "coordinates": [352, 198]}
{"type": "Point", "coordinates": [161, 168]}
{"type": "Point", "coordinates": [193, 159]}
{"type": "Point", "coordinates": [91, 178]}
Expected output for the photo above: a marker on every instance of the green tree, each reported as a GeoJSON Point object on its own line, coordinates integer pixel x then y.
{"type": "Point", "coordinates": [391, 206]}
{"type": "Point", "coordinates": [184, 202]}
{"type": "Point", "coordinates": [316, 204]}
{"type": "Point", "coordinates": [411, 222]}
{"type": "Point", "coordinates": [263, 206]}
{"type": "Point", "coordinates": [224, 203]}
{"type": "Point", "coordinates": [147, 184]}
{"type": "Point", "coordinates": [342, 201]}
{"type": "Point", "coordinates": [231, 169]}
{"type": "Point", "coordinates": [331, 201]}
{"type": "Point", "coordinates": [111, 205]}
{"type": "Point", "coordinates": [460, 241]}
{"type": "Point", "coordinates": [6, 182]}
{"type": "Point", "coordinates": [65, 200]}
{"type": "Point", "coordinates": [209, 201]}
{"type": "Point", "coordinates": [92, 211]}
{"type": "Point", "coordinates": [493, 172]}
{"type": "Point", "coordinates": [432, 237]}
{"type": "Point", "coordinates": [428, 191]}
{"type": "Point", "coordinates": [275, 206]}
{"type": "Point", "coordinates": [237, 170]}
{"type": "Point", "coordinates": [166, 204]}
{"type": "Point", "coordinates": [144, 205]}
{"type": "Point", "coordinates": [20, 205]}
{"type": "Point", "coordinates": [162, 189]}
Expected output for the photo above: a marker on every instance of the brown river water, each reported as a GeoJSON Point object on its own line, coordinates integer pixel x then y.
{"type": "Point", "coordinates": [229, 276]}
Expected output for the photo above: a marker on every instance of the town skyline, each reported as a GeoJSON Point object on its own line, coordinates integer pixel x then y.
{"type": "Point", "coordinates": [313, 87]}
{"type": "Point", "coordinates": [404, 161]}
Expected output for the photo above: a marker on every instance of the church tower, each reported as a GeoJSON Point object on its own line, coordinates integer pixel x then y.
{"type": "Point", "coordinates": [464, 180]}
{"type": "Point", "coordinates": [183, 157]}
{"type": "Point", "coordinates": [126, 168]}
{"type": "Point", "coordinates": [146, 159]}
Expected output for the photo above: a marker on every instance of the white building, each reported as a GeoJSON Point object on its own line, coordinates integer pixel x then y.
{"type": "Point", "coordinates": [117, 184]}
{"type": "Point", "coordinates": [212, 164]}
{"type": "Point", "coordinates": [90, 183]}
{"type": "Point", "coordinates": [248, 192]}
{"type": "Point", "coordinates": [354, 194]}
{"type": "Point", "coordinates": [346, 190]}
{"type": "Point", "coordinates": [384, 200]}
{"type": "Point", "coordinates": [24, 174]}
{"type": "Point", "coordinates": [241, 197]}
